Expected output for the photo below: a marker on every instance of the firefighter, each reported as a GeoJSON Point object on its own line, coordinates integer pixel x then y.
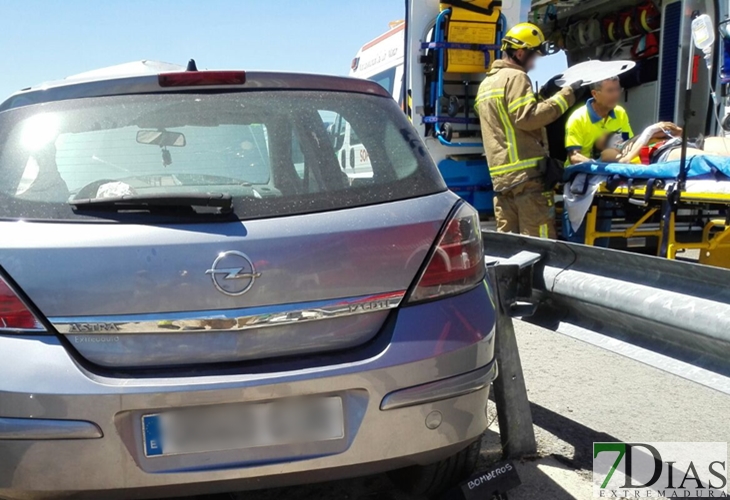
{"type": "Point", "coordinates": [512, 124]}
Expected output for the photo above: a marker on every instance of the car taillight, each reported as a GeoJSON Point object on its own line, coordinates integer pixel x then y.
{"type": "Point", "coordinates": [198, 78]}
{"type": "Point", "coordinates": [14, 314]}
{"type": "Point", "coordinates": [457, 262]}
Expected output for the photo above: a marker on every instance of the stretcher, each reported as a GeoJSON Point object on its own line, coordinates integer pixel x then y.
{"type": "Point", "coordinates": [465, 40]}
{"type": "Point", "coordinates": [464, 45]}
{"type": "Point", "coordinates": [643, 190]}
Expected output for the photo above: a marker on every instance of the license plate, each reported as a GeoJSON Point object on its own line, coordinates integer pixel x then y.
{"type": "Point", "coordinates": [240, 426]}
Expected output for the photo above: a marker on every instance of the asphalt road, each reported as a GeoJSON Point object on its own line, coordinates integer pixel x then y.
{"type": "Point", "coordinates": [579, 394]}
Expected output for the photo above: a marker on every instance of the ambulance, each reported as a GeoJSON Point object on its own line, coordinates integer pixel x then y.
{"type": "Point", "coordinates": [449, 44]}
{"type": "Point", "coordinates": [382, 61]}
{"type": "Point", "coordinates": [655, 34]}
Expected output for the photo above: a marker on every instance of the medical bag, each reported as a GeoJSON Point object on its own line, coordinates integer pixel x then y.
{"type": "Point", "coordinates": [473, 23]}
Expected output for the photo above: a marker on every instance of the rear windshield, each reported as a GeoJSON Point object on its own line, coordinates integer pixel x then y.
{"type": "Point", "coordinates": [275, 152]}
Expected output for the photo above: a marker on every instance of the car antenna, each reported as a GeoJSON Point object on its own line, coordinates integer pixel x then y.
{"type": "Point", "coordinates": [191, 66]}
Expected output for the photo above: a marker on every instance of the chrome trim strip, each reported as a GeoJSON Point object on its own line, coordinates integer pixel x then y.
{"type": "Point", "coordinates": [20, 331]}
{"type": "Point", "coordinates": [228, 319]}
{"type": "Point", "coordinates": [42, 429]}
{"type": "Point", "coordinates": [441, 389]}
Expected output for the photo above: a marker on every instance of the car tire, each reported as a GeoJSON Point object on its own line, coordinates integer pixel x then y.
{"type": "Point", "coordinates": [432, 480]}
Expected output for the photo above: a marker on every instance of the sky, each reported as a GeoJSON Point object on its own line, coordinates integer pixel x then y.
{"type": "Point", "coordinates": [45, 40]}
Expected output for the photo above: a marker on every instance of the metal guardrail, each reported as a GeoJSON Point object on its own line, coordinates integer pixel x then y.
{"type": "Point", "coordinates": [670, 309]}
{"type": "Point", "coordinates": [677, 309]}
{"type": "Point", "coordinates": [508, 278]}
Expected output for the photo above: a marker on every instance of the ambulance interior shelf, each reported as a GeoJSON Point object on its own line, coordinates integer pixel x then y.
{"type": "Point", "coordinates": [543, 13]}
{"type": "Point", "coordinates": [463, 45]}
{"type": "Point", "coordinates": [643, 188]}
{"type": "Point", "coordinates": [619, 29]}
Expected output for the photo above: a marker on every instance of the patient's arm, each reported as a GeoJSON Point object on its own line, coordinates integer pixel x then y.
{"type": "Point", "coordinates": [610, 155]}
{"type": "Point", "coordinates": [575, 157]}
{"type": "Point", "coordinates": [656, 131]}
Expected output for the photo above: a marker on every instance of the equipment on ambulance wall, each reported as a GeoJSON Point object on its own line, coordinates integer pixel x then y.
{"type": "Point", "coordinates": [724, 30]}
{"type": "Point", "coordinates": [465, 40]}
{"type": "Point", "coordinates": [649, 16]}
{"type": "Point", "coordinates": [621, 51]}
{"type": "Point", "coordinates": [629, 25]}
{"type": "Point", "coordinates": [546, 15]}
{"type": "Point", "coordinates": [631, 22]}
{"type": "Point", "coordinates": [470, 23]}
{"type": "Point", "coordinates": [571, 35]}
{"type": "Point", "coordinates": [643, 51]}
{"type": "Point", "coordinates": [589, 32]}
{"type": "Point", "coordinates": [645, 47]}
{"type": "Point", "coordinates": [610, 27]}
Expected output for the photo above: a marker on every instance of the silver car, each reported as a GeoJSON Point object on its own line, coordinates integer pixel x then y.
{"type": "Point", "coordinates": [195, 297]}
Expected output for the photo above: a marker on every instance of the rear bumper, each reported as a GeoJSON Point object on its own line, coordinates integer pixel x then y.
{"type": "Point", "coordinates": [440, 359]}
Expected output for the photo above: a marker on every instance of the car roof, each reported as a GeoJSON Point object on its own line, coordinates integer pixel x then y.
{"type": "Point", "coordinates": [141, 77]}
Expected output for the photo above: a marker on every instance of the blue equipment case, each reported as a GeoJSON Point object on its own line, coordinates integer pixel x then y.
{"type": "Point", "coordinates": [470, 180]}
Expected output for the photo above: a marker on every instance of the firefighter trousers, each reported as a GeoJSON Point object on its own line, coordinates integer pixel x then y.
{"type": "Point", "coordinates": [526, 209]}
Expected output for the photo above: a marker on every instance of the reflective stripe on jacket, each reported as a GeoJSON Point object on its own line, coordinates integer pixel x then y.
{"type": "Point", "coordinates": [512, 123]}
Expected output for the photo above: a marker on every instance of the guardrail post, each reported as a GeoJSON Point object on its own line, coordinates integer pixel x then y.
{"type": "Point", "coordinates": [510, 394]}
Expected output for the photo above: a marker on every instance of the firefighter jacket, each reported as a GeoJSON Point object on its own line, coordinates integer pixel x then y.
{"type": "Point", "coordinates": [512, 123]}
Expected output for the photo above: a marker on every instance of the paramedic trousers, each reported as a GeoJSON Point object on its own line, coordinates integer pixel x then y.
{"type": "Point", "coordinates": [526, 209]}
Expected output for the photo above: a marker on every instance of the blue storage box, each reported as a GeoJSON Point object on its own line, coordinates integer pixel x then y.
{"type": "Point", "coordinates": [469, 179]}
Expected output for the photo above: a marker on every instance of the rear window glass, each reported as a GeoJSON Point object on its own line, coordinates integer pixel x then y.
{"type": "Point", "coordinates": [276, 153]}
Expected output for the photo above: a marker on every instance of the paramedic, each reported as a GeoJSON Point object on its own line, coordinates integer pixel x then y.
{"type": "Point", "coordinates": [512, 124]}
{"type": "Point", "coordinates": [601, 114]}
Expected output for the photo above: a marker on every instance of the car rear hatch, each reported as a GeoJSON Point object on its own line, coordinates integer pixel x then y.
{"type": "Point", "coordinates": [171, 229]}
{"type": "Point", "coordinates": [143, 295]}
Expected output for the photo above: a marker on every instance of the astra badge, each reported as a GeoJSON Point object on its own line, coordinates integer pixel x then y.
{"type": "Point", "coordinates": [233, 273]}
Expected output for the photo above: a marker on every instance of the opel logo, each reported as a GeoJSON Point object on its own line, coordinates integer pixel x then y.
{"type": "Point", "coordinates": [233, 273]}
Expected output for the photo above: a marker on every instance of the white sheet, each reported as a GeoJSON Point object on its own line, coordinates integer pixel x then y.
{"type": "Point", "coordinates": [707, 186]}
{"type": "Point", "coordinates": [577, 205]}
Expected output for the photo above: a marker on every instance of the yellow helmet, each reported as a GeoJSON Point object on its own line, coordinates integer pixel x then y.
{"type": "Point", "coordinates": [530, 37]}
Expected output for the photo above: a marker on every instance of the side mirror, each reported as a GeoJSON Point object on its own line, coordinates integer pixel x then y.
{"type": "Point", "coordinates": [161, 138]}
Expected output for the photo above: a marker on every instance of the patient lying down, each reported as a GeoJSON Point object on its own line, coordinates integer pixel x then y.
{"type": "Point", "coordinates": [657, 143]}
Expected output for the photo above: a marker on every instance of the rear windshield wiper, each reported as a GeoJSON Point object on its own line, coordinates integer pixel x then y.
{"type": "Point", "coordinates": [158, 202]}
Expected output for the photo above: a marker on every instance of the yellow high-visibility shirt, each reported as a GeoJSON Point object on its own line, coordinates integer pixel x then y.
{"type": "Point", "coordinates": [585, 127]}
